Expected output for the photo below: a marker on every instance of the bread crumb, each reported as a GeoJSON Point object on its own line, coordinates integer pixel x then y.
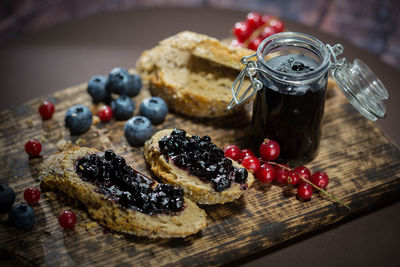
{"type": "Point", "coordinates": [79, 230]}
{"type": "Point", "coordinates": [117, 235]}
{"type": "Point", "coordinates": [96, 119]}
{"type": "Point", "coordinates": [90, 225]}
{"type": "Point", "coordinates": [29, 123]}
{"type": "Point", "coordinates": [63, 144]}
{"type": "Point", "coordinates": [50, 195]}
{"type": "Point", "coordinates": [80, 141]}
{"type": "Point", "coordinates": [105, 139]}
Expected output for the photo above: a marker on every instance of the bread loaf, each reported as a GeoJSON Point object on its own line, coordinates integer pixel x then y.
{"type": "Point", "coordinates": [193, 73]}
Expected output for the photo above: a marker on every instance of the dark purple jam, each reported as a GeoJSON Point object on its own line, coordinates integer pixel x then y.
{"type": "Point", "coordinates": [201, 158]}
{"type": "Point", "coordinates": [132, 190]}
{"type": "Point", "coordinates": [291, 115]}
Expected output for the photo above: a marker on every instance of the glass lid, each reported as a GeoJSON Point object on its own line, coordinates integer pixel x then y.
{"type": "Point", "coordinates": [362, 87]}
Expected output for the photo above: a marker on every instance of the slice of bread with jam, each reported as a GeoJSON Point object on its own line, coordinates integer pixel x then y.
{"type": "Point", "coordinates": [198, 166]}
{"type": "Point", "coordinates": [119, 197]}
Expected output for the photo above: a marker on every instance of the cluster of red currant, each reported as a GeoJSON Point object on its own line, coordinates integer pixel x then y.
{"type": "Point", "coordinates": [256, 28]}
{"type": "Point", "coordinates": [46, 111]}
{"type": "Point", "coordinates": [268, 171]}
{"type": "Point", "coordinates": [33, 147]}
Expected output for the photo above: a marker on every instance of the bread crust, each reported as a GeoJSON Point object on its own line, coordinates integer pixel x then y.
{"type": "Point", "coordinates": [191, 80]}
{"type": "Point", "coordinates": [195, 189]}
{"type": "Point", "coordinates": [58, 173]}
{"type": "Point", "coordinates": [209, 48]}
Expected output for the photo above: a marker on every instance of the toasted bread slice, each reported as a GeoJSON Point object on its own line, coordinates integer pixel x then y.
{"type": "Point", "coordinates": [194, 188]}
{"type": "Point", "coordinates": [58, 173]}
{"type": "Point", "coordinates": [191, 85]}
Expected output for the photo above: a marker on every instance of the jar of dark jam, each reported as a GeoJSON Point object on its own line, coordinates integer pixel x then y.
{"type": "Point", "coordinates": [289, 80]}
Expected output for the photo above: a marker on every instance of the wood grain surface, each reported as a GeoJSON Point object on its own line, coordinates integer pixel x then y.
{"type": "Point", "coordinates": [364, 167]}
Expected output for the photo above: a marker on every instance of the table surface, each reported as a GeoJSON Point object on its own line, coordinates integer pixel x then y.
{"type": "Point", "coordinates": [39, 63]}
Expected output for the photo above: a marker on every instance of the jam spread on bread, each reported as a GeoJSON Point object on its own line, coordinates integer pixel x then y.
{"type": "Point", "coordinates": [201, 158]}
{"type": "Point", "coordinates": [121, 183]}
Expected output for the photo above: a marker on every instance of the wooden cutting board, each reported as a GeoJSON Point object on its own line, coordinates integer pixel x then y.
{"type": "Point", "coordinates": [363, 164]}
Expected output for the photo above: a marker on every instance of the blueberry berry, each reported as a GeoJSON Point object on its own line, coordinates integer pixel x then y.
{"type": "Point", "coordinates": [22, 216]}
{"type": "Point", "coordinates": [155, 109]}
{"type": "Point", "coordinates": [121, 82]}
{"type": "Point", "coordinates": [137, 130]}
{"type": "Point", "coordinates": [78, 119]}
{"type": "Point", "coordinates": [123, 107]}
{"type": "Point", "coordinates": [137, 85]}
{"type": "Point", "coordinates": [97, 89]}
{"type": "Point", "coordinates": [7, 198]}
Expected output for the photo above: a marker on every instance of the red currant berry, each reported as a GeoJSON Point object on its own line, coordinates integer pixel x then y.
{"type": "Point", "coordinates": [304, 191]}
{"type": "Point", "coordinates": [233, 152]}
{"type": "Point", "coordinates": [254, 43]}
{"type": "Point", "coordinates": [303, 172]}
{"type": "Point", "coordinates": [105, 113]}
{"type": "Point", "coordinates": [269, 150]}
{"type": "Point", "coordinates": [33, 147]}
{"type": "Point", "coordinates": [266, 173]}
{"type": "Point", "coordinates": [265, 18]}
{"type": "Point", "coordinates": [281, 176]}
{"type": "Point", "coordinates": [267, 32]}
{"type": "Point", "coordinates": [246, 152]}
{"type": "Point", "coordinates": [46, 110]}
{"type": "Point", "coordinates": [254, 20]}
{"type": "Point", "coordinates": [293, 178]}
{"type": "Point", "coordinates": [242, 31]}
{"type": "Point", "coordinates": [236, 43]}
{"type": "Point", "coordinates": [277, 25]}
{"type": "Point", "coordinates": [251, 163]}
{"type": "Point", "coordinates": [32, 195]}
{"type": "Point", "coordinates": [320, 179]}
{"type": "Point", "coordinates": [67, 219]}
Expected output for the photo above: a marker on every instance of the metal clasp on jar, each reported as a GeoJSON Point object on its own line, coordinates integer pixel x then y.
{"type": "Point", "coordinates": [250, 70]}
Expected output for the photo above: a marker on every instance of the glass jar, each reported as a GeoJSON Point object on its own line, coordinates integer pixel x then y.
{"type": "Point", "coordinates": [289, 80]}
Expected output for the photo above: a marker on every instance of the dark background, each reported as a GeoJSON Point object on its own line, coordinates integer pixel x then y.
{"type": "Point", "coordinates": [47, 46]}
{"type": "Point", "coordinates": [370, 24]}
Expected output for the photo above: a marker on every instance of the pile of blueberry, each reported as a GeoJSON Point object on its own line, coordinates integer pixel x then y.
{"type": "Point", "coordinates": [138, 129]}
{"type": "Point", "coordinates": [124, 185]}
{"type": "Point", "coordinates": [201, 158]}
{"type": "Point", "coordinates": [119, 81]}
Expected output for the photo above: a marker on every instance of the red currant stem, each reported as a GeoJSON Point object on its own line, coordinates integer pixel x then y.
{"type": "Point", "coordinates": [257, 32]}
{"type": "Point", "coordinates": [331, 196]}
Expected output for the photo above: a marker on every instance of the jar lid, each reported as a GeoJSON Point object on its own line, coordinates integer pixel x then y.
{"type": "Point", "coordinates": [362, 87]}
